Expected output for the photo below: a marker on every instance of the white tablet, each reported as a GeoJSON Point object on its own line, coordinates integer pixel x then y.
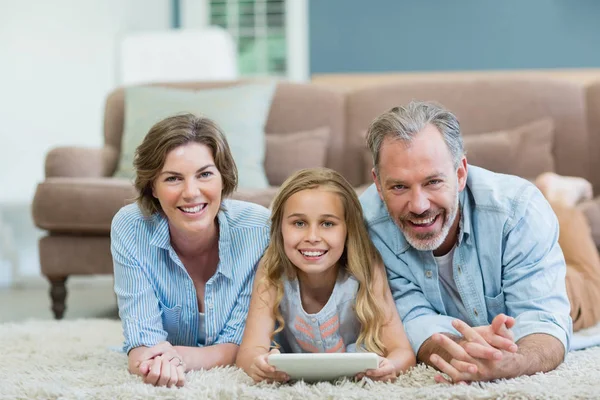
{"type": "Point", "coordinates": [313, 367]}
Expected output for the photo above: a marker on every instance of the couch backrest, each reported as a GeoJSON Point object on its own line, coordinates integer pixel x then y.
{"type": "Point", "coordinates": [593, 114]}
{"type": "Point", "coordinates": [485, 105]}
{"type": "Point", "coordinates": [296, 107]}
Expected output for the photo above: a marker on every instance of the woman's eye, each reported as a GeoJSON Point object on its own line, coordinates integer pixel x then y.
{"type": "Point", "coordinates": [171, 179]}
{"type": "Point", "coordinates": [205, 174]}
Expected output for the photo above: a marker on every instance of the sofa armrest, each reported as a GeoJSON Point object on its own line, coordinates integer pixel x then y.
{"type": "Point", "coordinates": [81, 162]}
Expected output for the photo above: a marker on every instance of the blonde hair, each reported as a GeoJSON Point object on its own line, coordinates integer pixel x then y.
{"type": "Point", "coordinates": [172, 132]}
{"type": "Point", "coordinates": [358, 258]}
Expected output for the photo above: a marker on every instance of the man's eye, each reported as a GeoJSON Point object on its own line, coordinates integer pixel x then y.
{"type": "Point", "coordinates": [399, 187]}
{"type": "Point", "coordinates": [435, 182]}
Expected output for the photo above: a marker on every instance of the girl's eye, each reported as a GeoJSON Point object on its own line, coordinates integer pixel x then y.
{"type": "Point", "coordinates": [328, 224]}
{"type": "Point", "coordinates": [299, 224]}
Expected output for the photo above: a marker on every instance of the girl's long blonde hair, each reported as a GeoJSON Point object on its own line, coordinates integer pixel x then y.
{"type": "Point", "coordinates": [358, 258]}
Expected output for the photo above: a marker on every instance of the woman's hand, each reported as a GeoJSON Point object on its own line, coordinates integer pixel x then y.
{"type": "Point", "coordinates": [162, 372]}
{"type": "Point", "coordinates": [261, 370]}
{"type": "Point", "coordinates": [159, 365]}
{"type": "Point", "coordinates": [385, 372]}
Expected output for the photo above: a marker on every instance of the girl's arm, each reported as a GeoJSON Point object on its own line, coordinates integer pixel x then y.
{"type": "Point", "coordinates": [256, 342]}
{"type": "Point", "coordinates": [399, 352]}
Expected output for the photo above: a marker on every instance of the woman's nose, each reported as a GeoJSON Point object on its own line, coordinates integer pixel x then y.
{"type": "Point", "coordinates": [191, 189]}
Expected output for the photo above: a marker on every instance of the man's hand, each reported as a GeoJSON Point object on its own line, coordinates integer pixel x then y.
{"type": "Point", "coordinates": [498, 334]}
{"type": "Point", "coordinates": [474, 358]}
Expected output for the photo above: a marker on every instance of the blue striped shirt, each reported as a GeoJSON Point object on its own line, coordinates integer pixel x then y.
{"type": "Point", "coordinates": [156, 296]}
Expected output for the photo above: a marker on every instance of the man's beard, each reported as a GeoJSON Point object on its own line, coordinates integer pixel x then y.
{"type": "Point", "coordinates": [431, 240]}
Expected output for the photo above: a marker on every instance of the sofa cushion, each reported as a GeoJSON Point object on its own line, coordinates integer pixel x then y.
{"type": "Point", "coordinates": [525, 151]}
{"type": "Point", "coordinates": [88, 205]}
{"type": "Point", "coordinates": [241, 111]}
{"type": "Point", "coordinates": [287, 153]}
{"type": "Point", "coordinates": [80, 205]}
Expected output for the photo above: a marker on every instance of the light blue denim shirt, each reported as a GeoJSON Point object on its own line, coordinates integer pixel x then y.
{"type": "Point", "coordinates": [507, 260]}
{"type": "Point", "coordinates": [156, 296]}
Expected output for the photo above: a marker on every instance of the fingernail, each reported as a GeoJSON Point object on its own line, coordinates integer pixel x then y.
{"type": "Point", "coordinates": [514, 348]}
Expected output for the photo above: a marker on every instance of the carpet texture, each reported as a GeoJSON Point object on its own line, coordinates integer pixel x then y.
{"type": "Point", "coordinates": [74, 360]}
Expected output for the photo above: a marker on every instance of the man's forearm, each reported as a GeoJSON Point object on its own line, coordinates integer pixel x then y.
{"type": "Point", "coordinates": [196, 358]}
{"type": "Point", "coordinates": [429, 347]}
{"type": "Point", "coordinates": [539, 352]}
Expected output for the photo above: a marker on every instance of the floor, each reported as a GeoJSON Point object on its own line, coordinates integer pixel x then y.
{"type": "Point", "coordinates": [24, 292]}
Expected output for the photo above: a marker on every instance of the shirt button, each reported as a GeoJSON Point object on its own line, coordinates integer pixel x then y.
{"type": "Point", "coordinates": [319, 342]}
{"type": "Point", "coordinates": [314, 320]}
{"type": "Point", "coordinates": [428, 274]}
{"type": "Point", "coordinates": [210, 306]}
{"type": "Point", "coordinates": [475, 311]}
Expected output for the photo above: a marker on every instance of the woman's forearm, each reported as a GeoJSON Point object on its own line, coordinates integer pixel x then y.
{"type": "Point", "coordinates": [196, 358]}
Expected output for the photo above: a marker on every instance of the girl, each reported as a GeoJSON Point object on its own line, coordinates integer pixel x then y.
{"type": "Point", "coordinates": [321, 282]}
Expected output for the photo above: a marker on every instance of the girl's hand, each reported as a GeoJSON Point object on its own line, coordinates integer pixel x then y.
{"type": "Point", "coordinates": [261, 370]}
{"type": "Point", "coordinates": [385, 372]}
{"type": "Point", "coordinates": [162, 372]}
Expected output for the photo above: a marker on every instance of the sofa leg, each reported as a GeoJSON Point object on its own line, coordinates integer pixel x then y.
{"type": "Point", "coordinates": [58, 295]}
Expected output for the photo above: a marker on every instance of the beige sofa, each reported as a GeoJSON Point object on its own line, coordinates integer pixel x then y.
{"type": "Point", "coordinates": [78, 198]}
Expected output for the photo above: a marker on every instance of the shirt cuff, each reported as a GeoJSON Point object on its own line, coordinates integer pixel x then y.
{"type": "Point", "coordinates": [530, 323]}
{"type": "Point", "coordinates": [421, 328]}
{"type": "Point", "coordinates": [136, 336]}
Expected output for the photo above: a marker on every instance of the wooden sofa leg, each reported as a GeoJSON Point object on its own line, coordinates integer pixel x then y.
{"type": "Point", "coordinates": [58, 295]}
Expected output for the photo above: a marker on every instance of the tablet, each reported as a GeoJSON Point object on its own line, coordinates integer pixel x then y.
{"type": "Point", "coordinates": [313, 367]}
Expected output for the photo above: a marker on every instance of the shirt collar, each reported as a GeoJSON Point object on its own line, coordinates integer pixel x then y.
{"type": "Point", "coordinates": [464, 225]}
{"type": "Point", "coordinates": [160, 236]}
{"type": "Point", "coordinates": [225, 266]}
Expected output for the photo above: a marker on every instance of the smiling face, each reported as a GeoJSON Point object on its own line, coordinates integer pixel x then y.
{"type": "Point", "coordinates": [313, 228]}
{"type": "Point", "coordinates": [189, 189]}
{"type": "Point", "coordinates": [420, 185]}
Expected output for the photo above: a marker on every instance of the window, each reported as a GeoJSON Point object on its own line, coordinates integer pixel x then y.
{"type": "Point", "coordinates": [260, 29]}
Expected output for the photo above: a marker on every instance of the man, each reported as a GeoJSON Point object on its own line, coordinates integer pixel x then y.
{"type": "Point", "coordinates": [472, 257]}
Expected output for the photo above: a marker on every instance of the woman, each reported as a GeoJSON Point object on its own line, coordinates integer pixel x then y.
{"type": "Point", "coordinates": [184, 257]}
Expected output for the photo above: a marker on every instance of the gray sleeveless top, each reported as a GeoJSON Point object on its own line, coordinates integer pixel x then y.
{"type": "Point", "coordinates": [334, 329]}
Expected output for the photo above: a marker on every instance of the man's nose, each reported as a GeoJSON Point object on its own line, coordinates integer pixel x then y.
{"type": "Point", "coordinates": [419, 203]}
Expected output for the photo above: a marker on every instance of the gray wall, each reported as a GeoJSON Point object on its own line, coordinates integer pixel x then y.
{"type": "Point", "coordinates": [429, 35]}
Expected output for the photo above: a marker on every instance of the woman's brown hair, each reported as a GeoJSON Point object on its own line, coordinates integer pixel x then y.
{"type": "Point", "coordinates": [173, 132]}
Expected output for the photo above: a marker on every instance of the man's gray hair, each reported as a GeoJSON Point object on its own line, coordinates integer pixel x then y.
{"type": "Point", "coordinates": [404, 123]}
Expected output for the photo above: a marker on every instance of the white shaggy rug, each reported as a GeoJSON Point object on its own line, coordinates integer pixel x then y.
{"type": "Point", "coordinates": [74, 360]}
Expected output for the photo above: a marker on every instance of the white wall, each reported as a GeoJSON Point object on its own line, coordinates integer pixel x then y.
{"type": "Point", "coordinates": [57, 64]}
